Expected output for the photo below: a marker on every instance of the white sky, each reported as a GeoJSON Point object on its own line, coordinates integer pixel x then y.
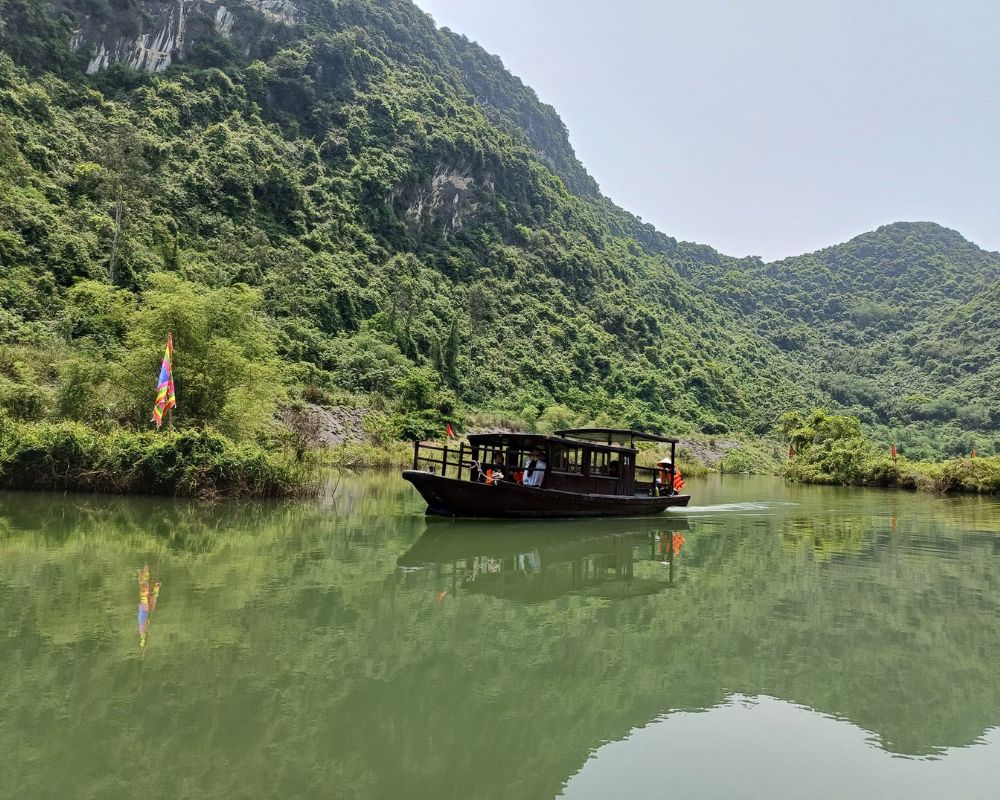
{"type": "Point", "coordinates": [767, 127]}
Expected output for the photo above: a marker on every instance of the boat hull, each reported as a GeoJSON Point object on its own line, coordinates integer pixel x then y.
{"type": "Point", "coordinates": [450, 497]}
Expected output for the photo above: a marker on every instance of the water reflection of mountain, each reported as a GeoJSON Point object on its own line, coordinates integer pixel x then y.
{"type": "Point", "coordinates": [292, 657]}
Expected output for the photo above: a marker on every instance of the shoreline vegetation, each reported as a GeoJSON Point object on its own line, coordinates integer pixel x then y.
{"type": "Point", "coordinates": [833, 450]}
{"type": "Point", "coordinates": [204, 463]}
{"type": "Point", "coordinates": [69, 456]}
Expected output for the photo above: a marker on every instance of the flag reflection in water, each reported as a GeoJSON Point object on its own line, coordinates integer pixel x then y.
{"type": "Point", "coordinates": [149, 591]}
{"type": "Point", "coordinates": [668, 545]}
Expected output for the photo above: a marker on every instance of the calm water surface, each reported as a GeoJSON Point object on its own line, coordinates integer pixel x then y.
{"type": "Point", "coordinates": [772, 641]}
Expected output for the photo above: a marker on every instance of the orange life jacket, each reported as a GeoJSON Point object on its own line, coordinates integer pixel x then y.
{"type": "Point", "coordinates": [676, 483]}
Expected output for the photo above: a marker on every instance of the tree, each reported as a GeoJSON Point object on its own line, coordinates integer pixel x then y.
{"type": "Point", "coordinates": [125, 184]}
{"type": "Point", "coordinates": [225, 365]}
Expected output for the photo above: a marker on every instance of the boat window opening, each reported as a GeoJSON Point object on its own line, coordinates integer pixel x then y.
{"type": "Point", "coordinates": [567, 460]}
{"type": "Point", "coordinates": [599, 462]}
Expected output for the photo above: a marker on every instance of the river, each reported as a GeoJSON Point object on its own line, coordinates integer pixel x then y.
{"type": "Point", "coordinates": [771, 641]}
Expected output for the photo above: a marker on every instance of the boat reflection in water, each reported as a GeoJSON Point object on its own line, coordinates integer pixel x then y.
{"type": "Point", "coordinates": [541, 562]}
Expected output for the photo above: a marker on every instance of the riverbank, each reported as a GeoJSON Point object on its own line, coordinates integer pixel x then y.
{"type": "Point", "coordinates": [834, 449]}
{"type": "Point", "coordinates": [969, 475]}
{"type": "Point", "coordinates": [68, 456]}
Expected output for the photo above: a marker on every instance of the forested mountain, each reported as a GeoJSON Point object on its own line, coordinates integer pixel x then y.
{"type": "Point", "coordinates": [898, 325]}
{"type": "Point", "coordinates": [402, 223]}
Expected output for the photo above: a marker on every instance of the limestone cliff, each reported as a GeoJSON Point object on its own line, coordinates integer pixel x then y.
{"type": "Point", "coordinates": [152, 34]}
{"type": "Point", "coordinates": [72, 36]}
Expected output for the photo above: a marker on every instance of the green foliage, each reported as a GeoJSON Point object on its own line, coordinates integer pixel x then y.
{"type": "Point", "coordinates": [309, 175]}
{"type": "Point", "coordinates": [70, 456]}
{"type": "Point", "coordinates": [750, 459]}
{"type": "Point", "coordinates": [225, 365]}
{"type": "Point", "coordinates": [372, 206]}
{"type": "Point", "coordinates": [978, 475]}
{"type": "Point", "coordinates": [894, 327]}
{"type": "Point", "coordinates": [368, 455]}
{"type": "Point", "coordinates": [832, 449]}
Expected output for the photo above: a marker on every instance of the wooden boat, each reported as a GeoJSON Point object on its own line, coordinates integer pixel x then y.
{"type": "Point", "coordinates": [586, 472]}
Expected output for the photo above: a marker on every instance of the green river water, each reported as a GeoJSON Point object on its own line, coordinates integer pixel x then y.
{"type": "Point", "coordinates": [771, 641]}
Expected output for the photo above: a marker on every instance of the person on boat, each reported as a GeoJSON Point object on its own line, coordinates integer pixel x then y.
{"type": "Point", "coordinates": [536, 469]}
{"type": "Point", "coordinates": [669, 481]}
{"type": "Point", "coordinates": [614, 468]}
{"type": "Point", "coordinates": [494, 472]}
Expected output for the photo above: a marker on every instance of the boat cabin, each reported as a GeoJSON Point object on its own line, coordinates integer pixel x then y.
{"type": "Point", "coordinates": [588, 461]}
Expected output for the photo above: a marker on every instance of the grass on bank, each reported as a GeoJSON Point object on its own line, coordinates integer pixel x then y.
{"type": "Point", "coordinates": [367, 455]}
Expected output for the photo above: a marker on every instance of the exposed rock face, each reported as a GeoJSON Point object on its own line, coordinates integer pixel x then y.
{"type": "Point", "coordinates": [158, 32]}
{"type": "Point", "coordinates": [325, 427]}
{"type": "Point", "coordinates": [452, 196]}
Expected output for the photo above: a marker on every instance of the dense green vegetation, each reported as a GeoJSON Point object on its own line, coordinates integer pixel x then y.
{"type": "Point", "coordinates": [898, 326]}
{"type": "Point", "coordinates": [365, 208]}
{"type": "Point", "coordinates": [834, 449]}
{"type": "Point", "coordinates": [202, 463]}
{"type": "Point", "coordinates": [308, 176]}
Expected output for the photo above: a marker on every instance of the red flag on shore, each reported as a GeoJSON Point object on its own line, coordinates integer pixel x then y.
{"type": "Point", "coordinates": [791, 452]}
{"type": "Point", "coordinates": [893, 451]}
{"type": "Point", "coordinates": [973, 452]}
{"type": "Point", "coordinates": [448, 430]}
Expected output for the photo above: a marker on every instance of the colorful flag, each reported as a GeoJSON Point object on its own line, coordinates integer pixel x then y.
{"type": "Point", "coordinates": [449, 431]}
{"type": "Point", "coordinates": [165, 396]}
{"type": "Point", "coordinates": [893, 451]}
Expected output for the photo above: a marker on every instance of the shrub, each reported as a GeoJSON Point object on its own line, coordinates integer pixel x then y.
{"type": "Point", "coordinates": [193, 463]}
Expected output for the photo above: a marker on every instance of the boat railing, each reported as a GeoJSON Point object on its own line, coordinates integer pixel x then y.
{"type": "Point", "coordinates": [646, 478]}
{"type": "Point", "coordinates": [449, 459]}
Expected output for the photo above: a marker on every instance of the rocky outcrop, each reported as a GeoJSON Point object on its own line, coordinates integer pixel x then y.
{"type": "Point", "coordinates": [447, 201]}
{"type": "Point", "coordinates": [158, 32]}
{"type": "Point", "coordinates": [318, 426]}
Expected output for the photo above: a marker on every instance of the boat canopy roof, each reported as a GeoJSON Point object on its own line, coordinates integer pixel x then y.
{"type": "Point", "coordinates": [614, 435]}
{"type": "Point", "coordinates": [526, 441]}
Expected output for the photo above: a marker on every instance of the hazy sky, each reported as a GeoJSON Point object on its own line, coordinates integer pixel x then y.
{"type": "Point", "coordinates": [767, 127]}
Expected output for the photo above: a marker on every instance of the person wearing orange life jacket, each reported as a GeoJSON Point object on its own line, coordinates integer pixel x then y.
{"type": "Point", "coordinates": [494, 472]}
{"type": "Point", "coordinates": [670, 480]}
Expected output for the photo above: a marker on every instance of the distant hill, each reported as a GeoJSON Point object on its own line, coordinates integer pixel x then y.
{"type": "Point", "coordinates": [409, 212]}
{"type": "Point", "coordinates": [897, 325]}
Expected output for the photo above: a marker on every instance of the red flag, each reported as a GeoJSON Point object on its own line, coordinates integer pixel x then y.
{"type": "Point", "coordinates": [973, 452]}
{"type": "Point", "coordinates": [893, 451]}
{"type": "Point", "coordinates": [449, 431]}
{"type": "Point", "coordinates": [791, 452]}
